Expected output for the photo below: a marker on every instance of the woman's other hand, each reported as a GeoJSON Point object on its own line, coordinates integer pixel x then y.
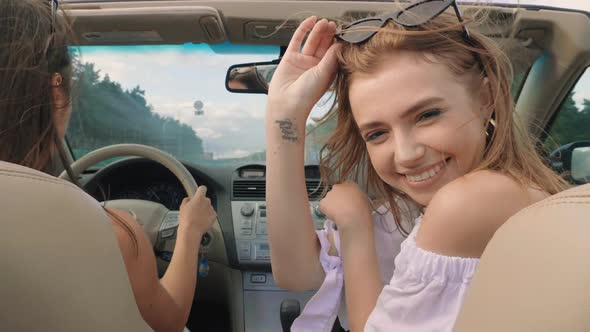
{"type": "Point", "coordinates": [348, 206]}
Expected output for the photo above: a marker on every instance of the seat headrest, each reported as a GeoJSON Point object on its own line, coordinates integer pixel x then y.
{"type": "Point", "coordinates": [534, 274]}
{"type": "Point", "coordinates": [61, 265]}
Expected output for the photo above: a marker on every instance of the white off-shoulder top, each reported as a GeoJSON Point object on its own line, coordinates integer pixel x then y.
{"type": "Point", "coordinates": [423, 291]}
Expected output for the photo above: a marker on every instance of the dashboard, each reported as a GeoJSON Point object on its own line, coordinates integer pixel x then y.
{"type": "Point", "coordinates": [249, 211]}
{"type": "Point", "coordinates": [237, 192]}
{"type": "Point", "coordinates": [240, 242]}
{"type": "Point", "coordinates": [138, 179]}
{"type": "Point", "coordinates": [165, 193]}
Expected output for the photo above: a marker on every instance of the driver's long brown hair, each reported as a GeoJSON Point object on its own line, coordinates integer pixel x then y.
{"type": "Point", "coordinates": [510, 149]}
{"type": "Point", "coordinates": [29, 55]}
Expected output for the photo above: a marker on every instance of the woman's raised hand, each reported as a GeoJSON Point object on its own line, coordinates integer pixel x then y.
{"type": "Point", "coordinates": [304, 74]}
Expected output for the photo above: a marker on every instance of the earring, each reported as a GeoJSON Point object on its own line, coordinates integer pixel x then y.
{"type": "Point", "coordinates": [57, 79]}
{"type": "Point", "coordinates": [491, 127]}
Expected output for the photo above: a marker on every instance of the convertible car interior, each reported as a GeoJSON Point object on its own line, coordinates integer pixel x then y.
{"type": "Point", "coordinates": [534, 275]}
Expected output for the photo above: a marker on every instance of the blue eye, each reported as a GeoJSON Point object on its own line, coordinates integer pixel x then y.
{"type": "Point", "coordinates": [374, 135]}
{"type": "Point", "coordinates": [430, 114]}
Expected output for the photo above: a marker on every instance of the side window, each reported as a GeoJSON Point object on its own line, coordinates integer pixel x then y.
{"type": "Point", "coordinates": [572, 122]}
{"type": "Point", "coordinates": [568, 137]}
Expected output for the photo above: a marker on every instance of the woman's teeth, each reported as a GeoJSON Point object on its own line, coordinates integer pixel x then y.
{"type": "Point", "coordinates": [426, 174]}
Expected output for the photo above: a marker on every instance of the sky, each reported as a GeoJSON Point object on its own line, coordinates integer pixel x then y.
{"type": "Point", "coordinates": [582, 88]}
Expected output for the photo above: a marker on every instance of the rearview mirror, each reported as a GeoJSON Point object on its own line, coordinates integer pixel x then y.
{"type": "Point", "coordinates": [573, 160]}
{"type": "Point", "coordinates": [250, 77]}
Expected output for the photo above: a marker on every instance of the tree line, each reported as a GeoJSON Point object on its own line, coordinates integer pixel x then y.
{"type": "Point", "coordinates": [103, 113]}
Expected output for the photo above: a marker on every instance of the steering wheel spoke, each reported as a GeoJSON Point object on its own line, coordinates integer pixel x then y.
{"type": "Point", "coordinates": [169, 225]}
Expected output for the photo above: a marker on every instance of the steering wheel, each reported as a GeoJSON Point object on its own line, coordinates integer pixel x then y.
{"type": "Point", "coordinates": [158, 222]}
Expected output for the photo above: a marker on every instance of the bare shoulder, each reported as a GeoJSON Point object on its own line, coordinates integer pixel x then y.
{"type": "Point", "coordinates": [124, 223]}
{"type": "Point", "coordinates": [135, 247]}
{"type": "Point", "coordinates": [464, 215]}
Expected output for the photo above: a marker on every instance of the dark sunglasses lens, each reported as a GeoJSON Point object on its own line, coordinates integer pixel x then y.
{"type": "Point", "coordinates": [360, 31]}
{"type": "Point", "coordinates": [421, 13]}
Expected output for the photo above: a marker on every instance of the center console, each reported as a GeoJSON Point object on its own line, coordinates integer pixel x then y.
{"type": "Point", "coordinates": [261, 297]}
{"type": "Point", "coordinates": [251, 230]}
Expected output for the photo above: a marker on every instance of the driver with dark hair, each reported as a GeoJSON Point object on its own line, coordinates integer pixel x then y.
{"type": "Point", "coordinates": [35, 107]}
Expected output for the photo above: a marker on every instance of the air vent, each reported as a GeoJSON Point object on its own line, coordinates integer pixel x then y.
{"type": "Point", "coordinates": [314, 189]}
{"type": "Point", "coordinates": [255, 190]}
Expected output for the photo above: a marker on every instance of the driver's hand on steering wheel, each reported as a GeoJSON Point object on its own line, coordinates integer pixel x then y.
{"type": "Point", "coordinates": [196, 214]}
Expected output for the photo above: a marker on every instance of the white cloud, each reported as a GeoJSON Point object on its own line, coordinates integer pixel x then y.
{"type": "Point", "coordinates": [238, 153]}
{"type": "Point", "coordinates": [207, 133]}
{"type": "Point", "coordinates": [231, 110]}
{"type": "Point", "coordinates": [117, 68]}
{"type": "Point", "coordinates": [230, 117]}
{"type": "Point", "coordinates": [579, 101]}
{"type": "Point", "coordinates": [582, 89]}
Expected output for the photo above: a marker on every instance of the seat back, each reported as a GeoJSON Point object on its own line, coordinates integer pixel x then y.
{"type": "Point", "coordinates": [534, 275]}
{"type": "Point", "coordinates": [60, 264]}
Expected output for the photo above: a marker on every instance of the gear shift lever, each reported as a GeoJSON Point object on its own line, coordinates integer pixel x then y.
{"type": "Point", "coordinates": [290, 309]}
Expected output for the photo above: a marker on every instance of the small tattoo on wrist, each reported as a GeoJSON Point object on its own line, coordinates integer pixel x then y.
{"type": "Point", "coordinates": [288, 130]}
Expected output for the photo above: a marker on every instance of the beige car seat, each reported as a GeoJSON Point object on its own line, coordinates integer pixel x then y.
{"type": "Point", "coordinates": [535, 273]}
{"type": "Point", "coordinates": [60, 265]}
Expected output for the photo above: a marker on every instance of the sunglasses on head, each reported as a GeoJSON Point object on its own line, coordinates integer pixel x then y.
{"type": "Point", "coordinates": [410, 17]}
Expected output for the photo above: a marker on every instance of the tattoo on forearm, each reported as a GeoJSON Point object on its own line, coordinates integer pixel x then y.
{"type": "Point", "coordinates": [288, 130]}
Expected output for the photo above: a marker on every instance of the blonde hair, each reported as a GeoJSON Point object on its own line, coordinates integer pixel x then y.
{"type": "Point", "coordinates": [510, 149]}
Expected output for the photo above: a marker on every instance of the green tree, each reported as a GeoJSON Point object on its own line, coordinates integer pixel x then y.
{"type": "Point", "coordinates": [138, 95]}
{"type": "Point", "coordinates": [571, 124]}
{"type": "Point", "coordinates": [105, 114]}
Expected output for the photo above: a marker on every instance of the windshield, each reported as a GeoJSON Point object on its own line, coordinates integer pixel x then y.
{"type": "Point", "coordinates": [172, 98]}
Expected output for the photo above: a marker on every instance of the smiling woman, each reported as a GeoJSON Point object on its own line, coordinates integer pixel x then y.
{"type": "Point", "coordinates": [425, 120]}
